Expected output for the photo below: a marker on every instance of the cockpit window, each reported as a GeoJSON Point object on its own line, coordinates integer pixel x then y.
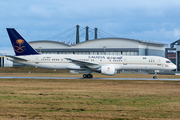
{"type": "Point", "coordinates": [168, 61]}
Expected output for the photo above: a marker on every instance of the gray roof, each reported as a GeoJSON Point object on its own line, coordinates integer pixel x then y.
{"type": "Point", "coordinates": [50, 41]}
{"type": "Point", "coordinates": [140, 41]}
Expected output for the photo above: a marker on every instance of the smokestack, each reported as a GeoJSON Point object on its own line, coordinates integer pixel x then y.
{"type": "Point", "coordinates": [87, 33]}
{"type": "Point", "coordinates": [77, 34]}
{"type": "Point", "coordinates": [95, 36]}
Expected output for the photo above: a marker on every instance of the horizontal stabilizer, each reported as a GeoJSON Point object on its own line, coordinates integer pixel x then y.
{"type": "Point", "coordinates": [16, 58]}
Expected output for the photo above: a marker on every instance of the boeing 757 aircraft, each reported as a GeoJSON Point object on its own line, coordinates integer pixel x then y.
{"type": "Point", "coordinates": [105, 64]}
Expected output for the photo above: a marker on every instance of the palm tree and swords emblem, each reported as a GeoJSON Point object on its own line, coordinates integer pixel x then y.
{"type": "Point", "coordinates": [18, 46]}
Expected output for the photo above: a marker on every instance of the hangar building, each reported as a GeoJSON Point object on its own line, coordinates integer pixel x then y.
{"type": "Point", "coordinates": [102, 46]}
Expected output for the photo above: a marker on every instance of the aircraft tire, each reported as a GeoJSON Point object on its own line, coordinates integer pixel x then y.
{"type": "Point", "coordinates": [84, 76]}
{"type": "Point", "coordinates": [89, 76]}
{"type": "Point", "coordinates": [154, 77]}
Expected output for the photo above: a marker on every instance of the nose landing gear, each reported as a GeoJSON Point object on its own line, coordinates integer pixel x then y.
{"type": "Point", "coordinates": [154, 77]}
{"type": "Point", "coordinates": [156, 71]}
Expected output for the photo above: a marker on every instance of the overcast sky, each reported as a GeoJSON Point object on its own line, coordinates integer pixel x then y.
{"type": "Point", "coordinates": [152, 20]}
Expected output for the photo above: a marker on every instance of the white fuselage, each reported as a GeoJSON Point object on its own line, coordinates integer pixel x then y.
{"type": "Point", "coordinates": [119, 62]}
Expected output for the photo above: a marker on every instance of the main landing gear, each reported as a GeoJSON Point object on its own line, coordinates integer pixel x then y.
{"type": "Point", "coordinates": [88, 73]}
{"type": "Point", "coordinates": [87, 76]}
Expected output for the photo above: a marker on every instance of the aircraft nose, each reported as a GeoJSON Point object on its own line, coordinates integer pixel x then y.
{"type": "Point", "coordinates": [174, 66]}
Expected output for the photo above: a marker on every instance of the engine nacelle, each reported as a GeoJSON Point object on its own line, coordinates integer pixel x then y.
{"type": "Point", "coordinates": [108, 70]}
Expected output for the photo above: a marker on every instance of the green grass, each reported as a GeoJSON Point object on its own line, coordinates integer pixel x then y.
{"type": "Point", "coordinates": [88, 99]}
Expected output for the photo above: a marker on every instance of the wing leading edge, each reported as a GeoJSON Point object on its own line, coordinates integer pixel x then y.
{"type": "Point", "coordinates": [85, 64]}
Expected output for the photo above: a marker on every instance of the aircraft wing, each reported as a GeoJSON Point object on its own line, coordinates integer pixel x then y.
{"type": "Point", "coordinates": [16, 58]}
{"type": "Point", "coordinates": [85, 64]}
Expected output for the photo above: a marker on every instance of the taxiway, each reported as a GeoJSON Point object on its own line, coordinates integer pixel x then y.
{"type": "Point", "coordinates": [88, 78]}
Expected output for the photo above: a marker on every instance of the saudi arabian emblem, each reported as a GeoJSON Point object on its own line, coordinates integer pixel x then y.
{"type": "Point", "coordinates": [18, 46]}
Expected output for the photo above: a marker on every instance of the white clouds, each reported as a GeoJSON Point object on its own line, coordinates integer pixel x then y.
{"type": "Point", "coordinates": [162, 35]}
{"type": "Point", "coordinates": [176, 33]}
{"type": "Point", "coordinates": [38, 12]}
{"type": "Point", "coordinates": [7, 51]}
{"type": "Point", "coordinates": [140, 19]}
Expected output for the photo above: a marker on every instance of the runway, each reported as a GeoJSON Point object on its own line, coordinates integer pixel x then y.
{"type": "Point", "coordinates": [88, 78]}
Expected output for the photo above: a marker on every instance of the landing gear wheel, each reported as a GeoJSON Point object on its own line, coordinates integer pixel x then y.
{"type": "Point", "coordinates": [156, 72]}
{"type": "Point", "coordinates": [87, 76]}
{"type": "Point", "coordinates": [84, 76]}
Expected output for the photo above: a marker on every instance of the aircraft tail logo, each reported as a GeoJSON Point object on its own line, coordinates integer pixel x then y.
{"type": "Point", "coordinates": [20, 45]}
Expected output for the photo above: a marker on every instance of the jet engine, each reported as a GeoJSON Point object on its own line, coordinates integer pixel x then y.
{"type": "Point", "coordinates": [108, 70]}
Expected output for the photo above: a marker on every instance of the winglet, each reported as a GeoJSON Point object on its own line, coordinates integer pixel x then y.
{"type": "Point", "coordinates": [20, 45]}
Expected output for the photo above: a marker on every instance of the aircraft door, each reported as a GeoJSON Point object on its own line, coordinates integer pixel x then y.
{"type": "Point", "coordinates": [124, 61]}
{"type": "Point", "coordinates": [37, 60]}
{"type": "Point", "coordinates": [159, 62]}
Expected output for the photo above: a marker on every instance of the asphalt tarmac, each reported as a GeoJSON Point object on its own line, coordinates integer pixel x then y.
{"type": "Point", "coordinates": [89, 78]}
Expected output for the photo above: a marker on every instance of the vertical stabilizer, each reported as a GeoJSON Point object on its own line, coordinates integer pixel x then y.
{"type": "Point", "coordinates": [20, 45]}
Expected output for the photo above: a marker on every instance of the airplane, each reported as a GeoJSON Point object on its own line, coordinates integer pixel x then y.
{"type": "Point", "coordinates": [104, 64]}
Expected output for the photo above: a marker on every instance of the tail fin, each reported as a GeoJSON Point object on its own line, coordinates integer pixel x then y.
{"type": "Point", "coordinates": [20, 45]}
